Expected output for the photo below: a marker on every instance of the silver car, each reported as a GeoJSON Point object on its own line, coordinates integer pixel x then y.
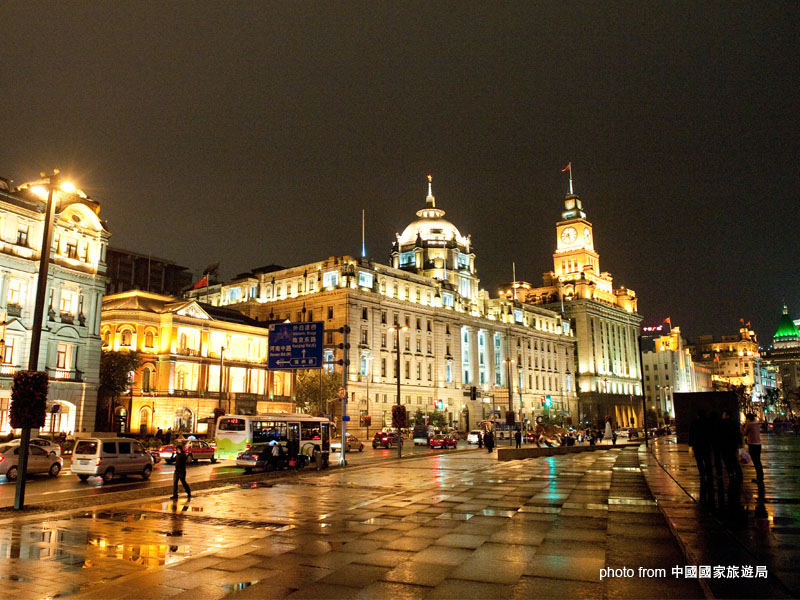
{"type": "Point", "coordinates": [108, 457]}
{"type": "Point", "coordinates": [44, 444]}
{"type": "Point", "coordinates": [39, 461]}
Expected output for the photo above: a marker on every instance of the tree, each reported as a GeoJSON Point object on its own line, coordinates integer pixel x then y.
{"type": "Point", "coordinates": [315, 388]}
{"type": "Point", "coordinates": [418, 420]}
{"type": "Point", "coordinates": [438, 419]}
{"type": "Point", "coordinates": [115, 377]}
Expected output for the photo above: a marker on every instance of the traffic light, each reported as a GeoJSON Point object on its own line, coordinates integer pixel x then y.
{"type": "Point", "coordinates": [510, 417]}
{"type": "Point", "coordinates": [473, 393]}
{"type": "Point", "coordinates": [438, 404]}
{"type": "Point", "coordinates": [547, 402]}
{"type": "Point", "coordinates": [367, 420]}
{"type": "Point", "coordinates": [542, 400]}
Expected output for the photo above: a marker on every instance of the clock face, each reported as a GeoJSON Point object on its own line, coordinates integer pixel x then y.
{"type": "Point", "coordinates": [569, 235]}
{"type": "Point", "coordinates": [587, 235]}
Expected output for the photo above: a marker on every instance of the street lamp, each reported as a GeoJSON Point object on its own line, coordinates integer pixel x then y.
{"type": "Point", "coordinates": [54, 184]}
{"type": "Point", "coordinates": [397, 329]}
{"type": "Point", "coordinates": [508, 362]}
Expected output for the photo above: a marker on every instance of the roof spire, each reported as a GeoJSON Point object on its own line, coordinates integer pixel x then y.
{"type": "Point", "coordinates": [430, 199]}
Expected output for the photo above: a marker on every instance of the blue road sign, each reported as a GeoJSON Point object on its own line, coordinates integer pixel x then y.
{"type": "Point", "coordinates": [295, 345]}
{"type": "Point", "coordinates": [346, 418]}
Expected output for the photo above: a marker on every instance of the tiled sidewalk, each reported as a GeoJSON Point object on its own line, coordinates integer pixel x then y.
{"type": "Point", "coordinates": [708, 539]}
{"type": "Point", "coordinates": [448, 526]}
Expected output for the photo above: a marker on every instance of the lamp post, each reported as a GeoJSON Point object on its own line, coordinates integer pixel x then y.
{"type": "Point", "coordinates": [397, 329]}
{"type": "Point", "coordinates": [369, 376]}
{"type": "Point", "coordinates": [509, 369]}
{"type": "Point", "coordinates": [221, 376]}
{"type": "Point", "coordinates": [644, 399]}
{"type": "Point", "coordinates": [53, 183]}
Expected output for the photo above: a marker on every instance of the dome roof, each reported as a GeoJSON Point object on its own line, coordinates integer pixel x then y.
{"type": "Point", "coordinates": [787, 330]}
{"type": "Point", "coordinates": [431, 225]}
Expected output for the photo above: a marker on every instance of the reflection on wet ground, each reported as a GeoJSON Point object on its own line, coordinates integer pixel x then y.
{"type": "Point", "coordinates": [462, 525]}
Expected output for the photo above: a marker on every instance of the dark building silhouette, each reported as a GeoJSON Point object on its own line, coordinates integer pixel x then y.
{"type": "Point", "coordinates": [133, 271]}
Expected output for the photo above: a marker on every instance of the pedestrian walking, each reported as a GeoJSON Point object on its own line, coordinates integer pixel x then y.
{"type": "Point", "coordinates": [730, 440]}
{"type": "Point", "coordinates": [180, 473]}
{"type": "Point", "coordinates": [480, 439]}
{"type": "Point", "coordinates": [609, 433]}
{"type": "Point", "coordinates": [700, 443]}
{"type": "Point", "coordinates": [518, 438]}
{"type": "Point", "coordinates": [488, 440]}
{"type": "Point", "coordinates": [752, 432]}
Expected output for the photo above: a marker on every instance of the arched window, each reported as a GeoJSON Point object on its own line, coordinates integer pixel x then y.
{"type": "Point", "coordinates": [180, 380]}
{"type": "Point", "coordinates": [144, 419]}
{"type": "Point", "coordinates": [149, 339]}
{"type": "Point", "coordinates": [184, 421]}
{"type": "Point", "coordinates": [106, 338]}
{"type": "Point", "coordinates": [147, 379]}
{"type": "Point", "coordinates": [125, 339]}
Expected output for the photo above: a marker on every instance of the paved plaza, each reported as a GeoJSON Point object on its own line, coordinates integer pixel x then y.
{"type": "Point", "coordinates": [709, 538]}
{"type": "Point", "coordinates": [461, 525]}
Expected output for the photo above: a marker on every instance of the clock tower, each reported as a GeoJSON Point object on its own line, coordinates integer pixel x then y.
{"type": "Point", "coordinates": [574, 242]}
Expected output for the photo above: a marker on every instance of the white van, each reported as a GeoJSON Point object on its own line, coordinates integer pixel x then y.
{"type": "Point", "coordinates": [107, 457]}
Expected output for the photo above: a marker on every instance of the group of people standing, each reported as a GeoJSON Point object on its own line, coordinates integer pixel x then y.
{"type": "Point", "coordinates": [717, 442]}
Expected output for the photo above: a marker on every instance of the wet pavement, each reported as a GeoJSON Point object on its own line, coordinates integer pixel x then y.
{"type": "Point", "coordinates": [461, 525]}
{"type": "Point", "coordinates": [712, 536]}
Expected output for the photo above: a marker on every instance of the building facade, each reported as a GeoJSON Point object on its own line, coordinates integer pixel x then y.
{"type": "Point", "coordinates": [195, 358]}
{"type": "Point", "coordinates": [668, 368]}
{"type": "Point", "coordinates": [452, 335]}
{"type": "Point", "coordinates": [604, 320]}
{"type": "Point", "coordinates": [784, 354]}
{"type": "Point", "coordinates": [70, 342]}
{"type": "Point", "coordinates": [735, 362]}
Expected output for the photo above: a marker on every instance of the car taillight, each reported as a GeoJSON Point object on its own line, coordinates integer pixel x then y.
{"type": "Point", "coordinates": [2, 458]}
{"type": "Point", "coordinates": [97, 461]}
{"type": "Point", "coordinates": [247, 447]}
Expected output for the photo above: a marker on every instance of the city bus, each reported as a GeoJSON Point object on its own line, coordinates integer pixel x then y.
{"type": "Point", "coordinates": [236, 433]}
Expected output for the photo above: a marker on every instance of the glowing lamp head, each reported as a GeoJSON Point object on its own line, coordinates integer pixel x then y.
{"type": "Point", "coordinates": [68, 187]}
{"type": "Point", "coordinates": [40, 191]}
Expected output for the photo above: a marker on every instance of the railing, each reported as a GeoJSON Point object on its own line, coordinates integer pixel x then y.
{"type": "Point", "coordinates": [187, 352]}
{"type": "Point", "coordinates": [66, 374]}
{"type": "Point", "coordinates": [7, 370]}
{"type": "Point", "coordinates": [200, 394]}
{"type": "Point", "coordinates": [14, 310]}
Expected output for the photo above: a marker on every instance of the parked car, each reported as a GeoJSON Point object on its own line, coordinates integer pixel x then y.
{"type": "Point", "coordinates": [443, 441]}
{"type": "Point", "coordinates": [108, 457]}
{"type": "Point", "coordinates": [39, 461]}
{"type": "Point", "coordinates": [44, 444]}
{"type": "Point", "coordinates": [195, 450]}
{"type": "Point", "coordinates": [260, 456]}
{"type": "Point", "coordinates": [155, 455]}
{"type": "Point", "coordinates": [352, 443]}
{"type": "Point", "coordinates": [473, 436]}
{"type": "Point", "coordinates": [420, 436]}
{"type": "Point", "coordinates": [385, 439]}
{"type": "Point", "coordinates": [255, 457]}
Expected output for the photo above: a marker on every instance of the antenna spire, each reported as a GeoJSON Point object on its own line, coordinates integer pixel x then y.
{"type": "Point", "coordinates": [363, 237]}
{"type": "Point", "coordinates": [430, 199]}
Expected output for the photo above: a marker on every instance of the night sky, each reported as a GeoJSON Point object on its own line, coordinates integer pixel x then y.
{"type": "Point", "coordinates": [255, 132]}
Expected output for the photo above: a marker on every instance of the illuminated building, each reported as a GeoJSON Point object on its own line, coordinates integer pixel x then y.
{"type": "Point", "coordinates": [785, 356]}
{"type": "Point", "coordinates": [603, 318]}
{"type": "Point", "coordinates": [70, 342]}
{"type": "Point", "coordinates": [668, 369]}
{"type": "Point", "coordinates": [735, 362]}
{"type": "Point", "coordinates": [195, 358]}
{"type": "Point", "coordinates": [458, 337]}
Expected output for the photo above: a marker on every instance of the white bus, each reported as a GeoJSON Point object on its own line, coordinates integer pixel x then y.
{"type": "Point", "coordinates": [236, 433]}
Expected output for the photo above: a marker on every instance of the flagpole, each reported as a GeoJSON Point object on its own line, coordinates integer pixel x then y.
{"type": "Point", "coordinates": [569, 168]}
